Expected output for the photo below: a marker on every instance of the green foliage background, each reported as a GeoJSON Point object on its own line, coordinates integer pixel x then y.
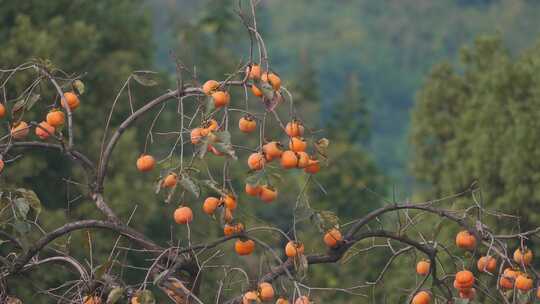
{"type": "Point", "coordinates": [354, 68]}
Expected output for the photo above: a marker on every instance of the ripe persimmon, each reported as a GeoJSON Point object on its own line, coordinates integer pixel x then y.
{"type": "Point", "coordinates": [227, 215]}
{"type": "Point", "coordinates": [230, 229]}
{"type": "Point", "coordinates": [92, 300]}
{"type": "Point", "coordinates": [268, 194]}
{"type": "Point", "coordinates": [221, 98]}
{"type": "Point", "coordinates": [72, 100]}
{"type": "Point", "coordinates": [135, 300]}
{"type": "Point", "coordinates": [464, 279]}
{"type": "Point", "coordinates": [170, 180]}
{"type": "Point", "coordinates": [302, 300]}
{"type": "Point", "coordinates": [508, 278]}
{"type": "Point", "coordinates": [146, 163]}
{"type": "Point", "coordinates": [524, 282]}
{"type": "Point", "coordinates": [303, 159]}
{"type": "Point", "coordinates": [282, 300]}
{"type": "Point", "coordinates": [297, 144]}
{"type": "Point", "coordinates": [250, 297]}
{"type": "Point", "coordinates": [210, 86]}
{"type": "Point", "coordinates": [523, 258]}
{"type": "Point", "coordinates": [247, 124]}
{"type": "Point", "coordinates": [211, 125]}
{"type": "Point", "coordinates": [272, 150]}
{"type": "Point", "coordinates": [422, 268]}
{"type": "Point", "coordinates": [289, 159]}
{"type": "Point", "coordinates": [487, 264]}
{"type": "Point", "coordinates": [313, 167]}
{"type": "Point", "coordinates": [55, 118]}
{"type": "Point", "coordinates": [256, 91]}
{"type": "Point", "coordinates": [1, 165]}
{"type": "Point", "coordinates": [256, 161]}
{"type": "Point", "coordinates": [253, 190]}
{"type": "Point", "coordinates": [183, 215]}
{"type": "Point", "coordinates": [272, 79]}
{"type": "Point", "coordinates": [44, 130]}
{"type": "Point", "coordinates": [254, 71]}
{"type": "Point", "coordinates": [20, 130]}
{"type": "Point", "coordinates": [332, 238]}
{"type": "Point", "coordinates": [421, 297]}
{"type": "Point", "coordinates": [210, 205]}
{"type": "Point", "coordinates": [230, 202]}
{"type": "Point", "coordinates": [465, 240]}
{"type": "Point", "coordinates": [293, 249]}
{"type": "Point", "coordinates": [294, 129]}
{"type": "Point", "coordinates": [196, 135]}
{"type": "Point", "coordinates": [244, 247]}
{"type": "Point", "coordinates": [266, 291]}
{"type": "Point", "coordinates": [2, 110]}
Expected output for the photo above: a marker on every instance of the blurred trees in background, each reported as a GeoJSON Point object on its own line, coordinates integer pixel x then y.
{"type": "Point", "coordinates": [107, 40]}
{"type": "Point", "coordinates": [482, 125]}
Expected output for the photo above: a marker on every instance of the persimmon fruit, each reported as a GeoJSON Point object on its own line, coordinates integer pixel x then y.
{"type": "Point", "coordinates": [244, 247]}
{"type": "Point", "coordinates": [55, 118]}
{"type": "Point", "coordinates": [44, 130]}
{"type": "Point", "coordinates": [146, 163]}
{"type": "Point", "coordinates": [332, 238]}
{"type": "Point", "coordinates": [183, 215]}
{"type": "Point", "coordinates": [247, 124]}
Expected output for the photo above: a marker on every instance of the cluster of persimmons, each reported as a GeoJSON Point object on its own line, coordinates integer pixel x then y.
{"type": "Point", "coordinates": [293, 155]}
{"type": "Point", "coordinates": [512, 276]}
{"type": "Point", "coordinates": [54, 119]}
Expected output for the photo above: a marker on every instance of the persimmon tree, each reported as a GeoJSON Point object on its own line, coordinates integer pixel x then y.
{"type": "Point", "coordinates": [489, 265]}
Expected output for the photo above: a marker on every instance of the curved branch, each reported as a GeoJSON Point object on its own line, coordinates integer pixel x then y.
{"type": "Point", "coordinates": [67, 228]}
{"type": "Point", "coordinates": [76, 155]}
{"type": "Point", "coordinates": [190, 91]}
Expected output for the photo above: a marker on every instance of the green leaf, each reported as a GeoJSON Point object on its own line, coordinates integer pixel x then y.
{"type": "Point", "coordinates": [115, 295]}
{"type": "Point", "coordinates": [189, 184]}
{"type": "Point", "coordinates": [329, 219]}
{"type": "Point", "coordinates": [32, 199]}
{"type": "Point", "coordinates": [145, 78]}
{"type": "Point", "coordinates": [79, 86]}
{"type": "Point", "coordinates": [146, 297]}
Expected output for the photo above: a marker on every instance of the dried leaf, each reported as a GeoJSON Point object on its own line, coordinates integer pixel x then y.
{"type": "Point", "coordinates": [222, 142]}
{"type": "Point", "coordinates": [189, 184]}
{"type": "Point", "coordinates": [271, 103]}
{"type": "Point", "coordinates": [146, 297]}
{"type": "Point", "coordinates": [115, 295]}
{"type": "Point", "coordinates": [32, 101]}
{"type": "Point", "coordinates": [102, 269]}
{"type": "Point", "coordinates": [32, 199]}
{"type": "Point", "coordinates": [22, 207]}
{"type": "Point", "coordinates": [79, 86]}
{"type": "Point", "coordinates": [145, 78]}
